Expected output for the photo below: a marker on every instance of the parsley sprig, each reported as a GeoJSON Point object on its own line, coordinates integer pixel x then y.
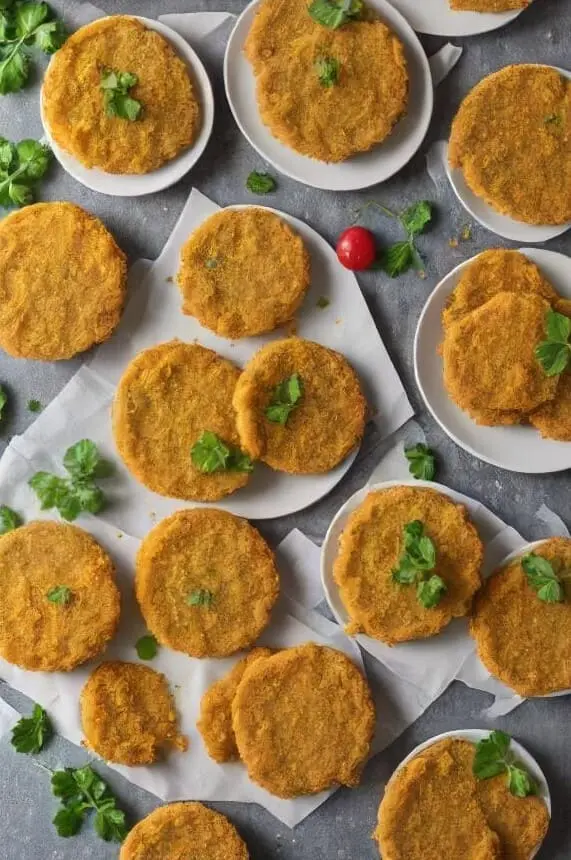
{"type": "Point", "coordinates": [554, 353]}
{"type": "Point", "coordinates": [421, 462]}
{"type": "Point", "coordinates": [260, 183]}
{"type": "Point", "coordinates": [79, 492]}
{"type": "Point", "coordinates": [494, 757]}
{"type": "Point", "coordinates": [417, 561]}
{"type": "Point", "coordinates": [81, 790]}
{"type": "Point", "coordinates": [401, 256]}
{"type": "Point", "coordinates": [210, 454]}
{"type": "Point", "coordinates": [116, 99]}
{"type": "Point", "coordinates": [285, 399]}
{"type": "Point", "coordinates": [30, 734]}
{"type": "Point", "coordinates": [24, 25]}
{"type": "Point", "coordinates": [543, 578]}
{"type": "Point", "coordinates": [334, 13]}
{"type": "Point", "coordinates": [328, 70]}
{"type": "Point", "coordinates": [22, 165]}
{"type": "Point", "coordinates": [9, 519]}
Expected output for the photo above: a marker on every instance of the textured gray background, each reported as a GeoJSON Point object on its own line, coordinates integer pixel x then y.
{"type": "Point", "coordinates": [341, 828]}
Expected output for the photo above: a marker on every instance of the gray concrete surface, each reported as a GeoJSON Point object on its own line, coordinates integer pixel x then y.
{"type": "Point", "coordinates": [340, 829]}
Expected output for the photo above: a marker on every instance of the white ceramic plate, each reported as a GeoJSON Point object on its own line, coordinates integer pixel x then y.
{"type": "Point", "coordinates": [438, 648]}
{"type": "Point", "coordinates": [362, 171]}
{"type": "Point", "coordinates": [488, 217]}
{"type": "Point", "coordinates": [476, 735]}
{"type": "Point", "coordinates": [437, 18]}
{"type": "Point", "coordinates": [518, 448]}
{"type": "Point", "coordinates": [123, 185]}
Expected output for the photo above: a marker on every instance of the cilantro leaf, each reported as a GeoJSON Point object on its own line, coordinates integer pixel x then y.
{"type": "Point", "coordinates": [9, 519]}
{"type": "Point", "coordinates": [422, 462]}
{"type": "Point", "coordinates": [110, 824]}
{"type": "Point", "coordinates": [70, 496]}
{"type": "Point", "coordinates": [34, 158]}
{"type": "Point", "coordinates": [210, 454]}
{"type": "Point", "coordinates": [554, 353]}
{"type": "Point", "coordinates": [3, 400]}
{"type": "Point", "coordinates": [115, 87]}
{"type": "Point", "coordinates": [68, 819]}
{"type": "Point", "coordinates": [34, 406]}
{"type": "Point", "coordinates": [147, 647]}
{"type": "Point", "coordinates": [24, 25]}
{"type": "Point", "coordinates": [494, 757]}
{"type": "Point", "coordinates": [416, 217]}
{"type": "Point", "coordinates": [89, 496]}
{"type": "Point", "coordinates": [14, 69]}
{"type": "Point", "coordinates": [260, 183]}
{"type": "Point", "coordinates": [49, 37]}
{"type": "Point", "coordinates": [29, 16]}
{"type": "Point", "coordinates": [200, 597]}
{"type": "Point", "coordinates": [558, 327]}
{"type": "Point", "coordinates": [47, 488]}
{"type": "Point", "coordinates": [81, 459]}
{"type": "Point", "coordinates": [285, 398]}
{"type": "Point", "coordinates": [30, 734]}
{"type": "Point", "coordinates": [328, 70]}
{"type": "Point", "coordinates": [397, 259]}
{"type": "Point", "coordinates": [23, 165]}
{"type": "Point", "coordinates": [520, 783]}
{"type": "Point", "coordinates": [542, 577]}
{"type": "Point", "coordinates": [334, 13]}
{"type": "Point", "coordinates": [60, 594]}
{"type": "Point", "coordinates": [416, 562]}
{"type": "Point", "coordinates": [430, 591]}
{"type": "Point", "coordinates": [80, 790]}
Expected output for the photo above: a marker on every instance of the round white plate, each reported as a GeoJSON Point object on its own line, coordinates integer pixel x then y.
{"type": "Point", "coordinates": [127, 185]}
{"type": "Point", "coordinates": [409, 654]}
{"type": "Point", "coordinates": [361, 171]}
{"type": "Point", "coordinates": [518, 448]}
{"type": "Point", "coordinates": [488, 217]}
{"type": "Point", "coordinates": [476, 735]}
{"type": "Point", "coordinates": [436, 18]}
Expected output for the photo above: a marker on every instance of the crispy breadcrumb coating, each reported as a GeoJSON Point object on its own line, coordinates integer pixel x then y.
{"type": "Point", "coordinates": [488, 5]}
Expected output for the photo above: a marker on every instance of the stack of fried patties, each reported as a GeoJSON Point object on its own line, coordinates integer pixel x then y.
{"type": "Point", "coordinates": [493, 323]}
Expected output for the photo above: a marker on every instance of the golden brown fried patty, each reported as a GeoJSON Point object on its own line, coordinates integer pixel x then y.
{"type": "Point", "coordinates": [167, 398]}
{"type": "Point", "coordinates": [62, 282]}
{"type": "Point", "coordinates": [488, 5]}
{"type": "Point", "coordinates": [434, 808]}
{"type": "Point", "coordinates": [37, 632]}
{"type": "Point", "coordinates": [128, 714]}
{"type": "Point", "coordinates": [512, 139]}
{"type": "Point", "coordinates": [489, 356]}
{"type": "Point", "coordinates": [303, 719]}
{"type": "Point", "coordinates": [215, 723]}
{"type": "Point", "coordinates": [74, 106]}
{"type": "Point", "coordinates": [243, 272]}
{"type": "Point", "coordinates": [330, 123]}
{"type": "Point", "coordinates": [553, 419]}
{"type": "Point", "coordinates": [329, 421]}
{"type": "Point", "coordinates": [369, 551]}
{"type": "Point", "coordinates": [522, 640]}
{"type": "Point", "coordinates": [492, 272]}
{"type": "Point", "coordinates": [206, 582]}
{"type": "Point", "coordinates": [181, 831]}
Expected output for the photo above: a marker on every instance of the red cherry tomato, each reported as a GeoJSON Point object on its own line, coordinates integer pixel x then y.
{"type": "Point", "coordinates": [356, 249]}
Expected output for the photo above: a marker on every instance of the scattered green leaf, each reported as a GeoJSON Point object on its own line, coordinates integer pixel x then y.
{"type": "Point", "coordinates": [9, 519]}
{"type": "Point", "coordinates": [416, 218]}
{"type": "Point", "coordinates": [80, 790]}
{"type": "Point", "coordinates": [323, 302]}
{"type": "Point", "coordinates": [285, 398]}
{"type": "Point", "coordinates": [25, 25]}
{"type": "Point", "coordinates": [334, 13]}
{"type": "Point", "coordinates": [397, 259]}
{"type": "Point", "coordinates": [421, 462]}
{"type": "Point", "coordinates": [260, 183]}
{"type": "Point", "coordinates": [554, 353]}
{"type": "Point", "coordinates": [22, 165]}
{"type": "Point", "coordinates": [403, 255]}
{"type": "Point", "coordinates": [34, 406]}
{"type": "Point", "coordinates": [210, 454]}
{"type": "Point", "coordinates": [542, 577]}
{"type": "Point", "coordinates": [147, 647]}
{"type": "Point", "coordinates": [30, 734]}
{"type": "Point", "coordinates": [115, 86]}
{"type": "Point", "coordinates": [493, 757]}
{"type": "Point", "coordinates": [416, 563]}
{"type": "Point", "coordinates": [328, 70]}
{"type": "Point", "coordinates": [60, 594]}
{"type": "Point", "coordinates": [200, 597]}
{"type": "Point", "coordinates": [431, 591]}
{"type": "Point", "coordinates": [3, 400]}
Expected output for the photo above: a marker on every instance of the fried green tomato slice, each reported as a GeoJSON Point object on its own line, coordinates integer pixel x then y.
{"type": "Point", "coordinates": [206, 582]}
{"type": "Point", "coordinates": [303, 720]}
{"type": "Point", "coordinates": [184, 830]}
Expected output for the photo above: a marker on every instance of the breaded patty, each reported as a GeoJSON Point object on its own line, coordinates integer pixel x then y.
{"type": "Point", "coordinates": [181, 831]}
{"type": "Point", "coordinates": [215, 722]}
{"type": "Point", "coordinates": [243, 272]}
{"type": "Point", "coordinates": [63, 281]}
{"type": "Point", "coordinates": [206, 582]}
{"type": "Point", "coordinates": [304, 720]}
{"type": "Point", "coordinates": [74, 107]}
{"type": "Point", "coordinates": [128, 714]}
{"type": "Point", "coordinates": [512, 139]}
{"type": "Point", "coordinates": [329, 123]}
{"type": "Point", "coordinates": [522, 640]}
{"type": "Point", "coordinates": [434, 808]}
{"type": "Point", "coordinates": [553, 419]}
{"type": "Point", "coordinates": [489, 356]}
{"type": "Point", "coordinates": [167, 398]}
{"type": "Point", "coordinates": [495, 271]}
{"type": "Point", "coordinates": [60, 605]}
{"type": "Point", "coordinates": [488, 5]}
{"type": "Point", "coordinates": [328, 421]}
{"type": "Point", "coordinates": [369, 551]}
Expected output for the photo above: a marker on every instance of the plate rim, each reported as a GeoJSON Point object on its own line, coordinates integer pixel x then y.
{"type": "Point", "coordinates": [458, 32]}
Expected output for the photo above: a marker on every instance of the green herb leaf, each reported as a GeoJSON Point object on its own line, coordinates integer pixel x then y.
{"type": "Point", "coordinates": [115, 86]}
{"type": "Point", "coordinates": [110, 824]}
{"type": "Point", "coordinates": [493, 757]}
{"type": "Point", "coordinates": [323, 302]}
{"type": "Point", "coordinates": [334, 13]}
{"type": "Point", "coordinates": [285, 398]}
{"type": "Point", "coordinates": [81, 459]}
{"type": "Point", "coordinates": [421, 462]}
{"type": "Point", "coordinates": [50, 37]}
{"type": "Point", "coordinates": [21, 166]}
{"type": "Point", "coordinates": [14, 69]}
{"type": "Point", "coordinates": [9, 519]}
{"type": "Point", "coordinates": [89, 496]}
{"type": "Point", "coordinates": [147, 647]}
{"type": "Point", "coordinates": [328, 70]}
{"type": "Point", "coordinates": [431, 591]}
{"type": "Point", "coordinates": [64, 785]}
{"type": "Point", "coordinates": [79, 492]}
{"type": "Point", "coordinates": [542, 578]}
{"type": "Point", "coordinates": [260, 183]}
{"type": "Point", "coordinates": [20, 195]}
{"type": "Point", "coordinates": [553, 119]}
{"type": "Point", "coordinates": [34, 158]}
{"type": "Point", "coordinates": [29, 16]}
{"type": "Point", "coordinates": [210, 454]}
{"type": "Point", "coordinates": [60, 594]}
{"type": "Point", "coordinates": [417, 560]}
{"type": "Point", "coordinates": [48, 488]}
{"type": "Point", "coordinates": [80, 790]}
{"type": "Point", "coordinates": [30, 734]}
{"type": "Point", "coordinates": [24, 25]}
{"type": "Point", "coordinates": [558, 327]}
{"type": "Point", "coordinates": [3, 400]}
{"type": "Point", "coordinates": [34, 406]}
{"type": "Point", "coordinates": [68, 820]}
{"type": "Point", "coordinates": [554, 353]}
{"type": "Point", "coordinates": [200, 597]}
{"type": "Point", "coordinates": [397, 259]}
{"type": "Point", "coordinates": [520, 783]}
{"type": "Point", "coordinates": [416, 218]}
